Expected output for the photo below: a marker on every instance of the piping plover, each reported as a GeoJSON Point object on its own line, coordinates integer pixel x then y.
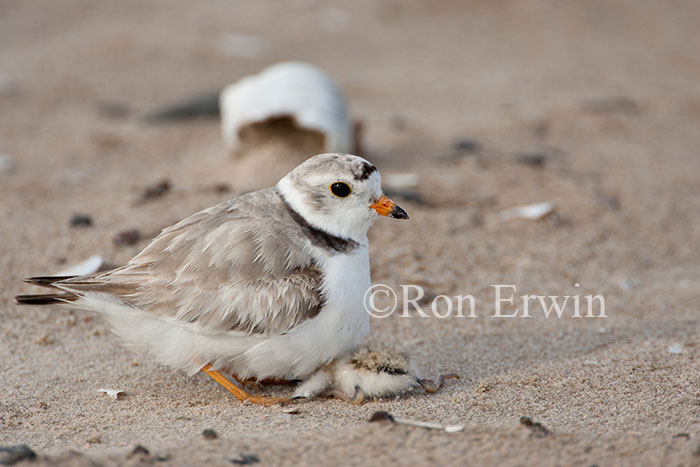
{"type": "Point", "coordinates": [370, 371]}
{"type": "Point", "coordinates": [267, 285]}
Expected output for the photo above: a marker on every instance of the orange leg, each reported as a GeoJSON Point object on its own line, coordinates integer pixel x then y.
{"type": "Point", "coordinates": [240, 394]}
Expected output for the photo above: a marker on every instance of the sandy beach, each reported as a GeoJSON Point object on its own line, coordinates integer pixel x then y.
{"type": "Point", "coordinates": [593, 107]}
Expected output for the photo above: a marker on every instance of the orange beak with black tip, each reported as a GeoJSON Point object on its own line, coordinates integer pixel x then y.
{"type": "Point", "coordinates": [386, 207]}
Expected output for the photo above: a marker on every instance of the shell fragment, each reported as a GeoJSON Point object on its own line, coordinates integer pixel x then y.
{"type": "Point", "coordinates": [296, 90]}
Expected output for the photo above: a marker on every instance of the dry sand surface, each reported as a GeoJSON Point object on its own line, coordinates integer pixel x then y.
{"type": "Point", "coordinates": [602, 97]}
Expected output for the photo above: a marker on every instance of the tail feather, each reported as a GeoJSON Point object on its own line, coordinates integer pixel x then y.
{"type": "Point", "coordinates": [51, 282]}
{"type": "Point", "coordinates": [71, 288]}
{"type": "Point", "coordinates": [45, 299]}
{"type": "Point", "coordinates": [46, 281]}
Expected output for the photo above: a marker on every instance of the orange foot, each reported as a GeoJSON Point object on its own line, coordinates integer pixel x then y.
{"type": "Point", "coordinates": [240, 394]}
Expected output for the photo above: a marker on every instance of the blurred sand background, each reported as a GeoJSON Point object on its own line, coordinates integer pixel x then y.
{"type": "Point", "coordinates": [593, 106]}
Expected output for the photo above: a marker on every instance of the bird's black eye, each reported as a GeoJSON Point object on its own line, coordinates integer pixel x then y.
{"type": "Point", "coordinates": [340, 189]}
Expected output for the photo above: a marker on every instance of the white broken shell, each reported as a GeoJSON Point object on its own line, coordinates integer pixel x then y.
{"type": "Point", "coordinates": [295, 90]}
{"type": "Point", "coordinates": [530, 211]}
{"type": "Point", "coordinates": [114, 393]}
{"type": "Point", "coordinates": [90, 265]}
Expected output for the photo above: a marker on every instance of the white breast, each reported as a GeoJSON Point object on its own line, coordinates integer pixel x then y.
{"type": "Point", "coordinates": [340, 326]}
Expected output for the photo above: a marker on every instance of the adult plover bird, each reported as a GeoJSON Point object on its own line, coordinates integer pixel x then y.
{"type": "Point", "coordinates": [267, 285]}
{"type": "Point", "coordinates": [377, 371]}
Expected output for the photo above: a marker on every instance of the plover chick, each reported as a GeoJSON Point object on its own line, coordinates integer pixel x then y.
{"type": "Point", "coordinates": [374, 371]}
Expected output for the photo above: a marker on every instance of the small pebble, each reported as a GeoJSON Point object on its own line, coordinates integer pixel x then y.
{"type": "Point", "coordinates": [533, 159]}
{"type": "Point", "coordinates": [155, 191]}
{"type": "Point", "coordinates": [139, 451]}
{"type": "Point", "coordinates": [527, 421]}
{"type": "Point", "coordinates": [209, 434]}
{"type": "Point", "coordinates": [81, 220]}
{"type": "Point", "coordinates": [246, 459]}
{"type": "Point", "coordinates": [538, 430]}
{"type": "Point", "coordinates": [381, 415]}
{"type": "Point", "coordinates": [221, 188]}
{"type": "Point", "coordinates": [466, 146]}
{"type": "Point", "coordinates": [10, 455]}
{"type": "Point", "coordinates": [127, 237]}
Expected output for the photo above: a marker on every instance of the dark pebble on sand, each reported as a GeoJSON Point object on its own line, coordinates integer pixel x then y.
{"type": "Point", "coordinates": [209, 434]}
{"type": "Point", "coordinates": [138, 451]}
{"type": "Point", "coordinates": [538, 430]}
{"type": "Point", "coordinates": [532, 159]}
{"type": "Point", "coordinates": [81, 220]}
{"type": "Point", "coordinates": [246, 459]}
{"type": "Point", "coordinates": [380, 416]}
{"type": "Point", "coordinates": [466, 146]}
{"type": "Point", "coordinates": [10, 455]}
{"type": "Point", "coordinates": [127, 237]}
{"type": "Point", "coordinates": [155, 191]}
{"type": "Point", "coordinates": [222, 188]}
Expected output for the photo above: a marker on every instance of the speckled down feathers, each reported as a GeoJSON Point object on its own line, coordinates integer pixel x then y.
{"type": "Point", "coordinates": [380, 358]}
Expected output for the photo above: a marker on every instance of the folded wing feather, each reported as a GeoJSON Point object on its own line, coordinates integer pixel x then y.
{"type": "Point", "coordinates": [224, 268]}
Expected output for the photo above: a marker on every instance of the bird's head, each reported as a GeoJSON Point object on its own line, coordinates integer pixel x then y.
{"type": "Point", "coordinates": [338, 193]}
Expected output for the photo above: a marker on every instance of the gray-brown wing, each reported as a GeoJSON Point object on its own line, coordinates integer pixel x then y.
{"type": "Point", "coordinates": [239, 266]}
